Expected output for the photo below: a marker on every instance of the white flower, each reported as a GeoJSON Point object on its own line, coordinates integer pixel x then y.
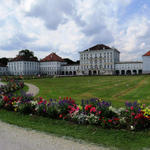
{"type": "Point", "coordinates": [132, 127]}
{"type": "Point", "coordinates": [122, 120]}
{"type": "Point", "coordinates": [110, 107]}
{"type": "Point", "coordinates": [34, 102]}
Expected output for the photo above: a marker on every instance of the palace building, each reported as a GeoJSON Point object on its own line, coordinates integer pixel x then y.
{"type": "Point", "coordinates": [97, 60]}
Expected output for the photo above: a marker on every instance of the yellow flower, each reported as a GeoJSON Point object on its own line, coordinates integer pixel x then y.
{"type": "Point", "coordinates": [15, 109]}
{"type": "Point", "coordinates": [100, 99]}
{"type": "Point", "coordinates": [80, 107]}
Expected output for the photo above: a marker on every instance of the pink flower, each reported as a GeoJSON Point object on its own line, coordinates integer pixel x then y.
{"type": "Point", "coordinates": [99, 112]}
{"type": "Point", "coordinates": [60, 116]}
{"type": "Point", "coordinates": [77, 108]}
{"type": "Point", "coordinates": [131, 107]}
{"type": "Point", "coordinates": [69, 107]}
{"type": "Point", "coordinates": [93, 109]}
{"type": "Point", "coordinates": [87, 107]}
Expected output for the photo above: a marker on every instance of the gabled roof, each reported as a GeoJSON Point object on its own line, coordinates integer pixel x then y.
{"type": "Point", "coordinates": [147, 54]}
{"type": "Point", "coordinates": [52, 57]}
{"type": "Point", "coordinates": [98, 47]}
{"type": "Point", "coordinates": [22, 58]}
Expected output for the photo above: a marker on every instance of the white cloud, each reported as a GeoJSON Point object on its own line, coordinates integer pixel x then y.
{"type": "Point", "coordinates": [67, 27]}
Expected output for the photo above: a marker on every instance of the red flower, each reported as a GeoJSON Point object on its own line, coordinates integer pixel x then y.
{"type": "Point", "coordinates": [116, 119]}
{"type": "Point", "coordinates": [41, 101]}
{"type": "Point", "coordinates": [6, 98]}
{"type": "Point", "coordinates": [93, 109]}
{"type": "Point", "coordinates": [65, 117]}
{"type": "Point", "coordinates": [139, 116]}
{"type": "Point", "coordinates": [133, 114]}
{"type": "Point", "coordinates": [110, 120]}
{"type": "Point", "coordinates": [131, 107]}
{"type": "Point", "coordinates": [60, 116]}
{"type": "Point", "coordinates": [69, 107]}
{"type": "Point", "coordinates": [87, 107]}
{"type": "Point", "coordinates": [99, 112]}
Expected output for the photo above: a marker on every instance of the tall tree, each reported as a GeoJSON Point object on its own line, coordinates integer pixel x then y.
{"type": "Point", "coordinates": [4, 61]}
{"type": "Point", "coordinates": [27, 54]}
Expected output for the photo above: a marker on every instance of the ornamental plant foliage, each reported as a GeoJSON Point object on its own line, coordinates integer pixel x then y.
{"type": "Point", "coordinates": [134, 116]}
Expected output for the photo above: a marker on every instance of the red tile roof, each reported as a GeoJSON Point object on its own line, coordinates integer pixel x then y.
{"type": "Point", "coordinates": [52, 57]}
{"type": "Point", "coordinates": [147, 54]}
{"type": "Point", "coordinates": [98, 47]}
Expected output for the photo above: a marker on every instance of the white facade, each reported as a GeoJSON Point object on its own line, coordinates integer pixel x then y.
{"type": "Point", "coordinates": [23, 67]}
{"type": "Point", "coordinates": [128, 68]}
{"type": "Point", "coordinates": [70, 70]}
{"type": "Point", "coordinates": [99, 62]}
{"type": "Point", "coordinates": [146, 64]}
{"type": "Point", "coordinates": [50, 67]}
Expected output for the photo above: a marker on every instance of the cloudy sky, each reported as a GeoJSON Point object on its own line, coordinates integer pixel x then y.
{"type": "Point", "coordinates": [69, 26]}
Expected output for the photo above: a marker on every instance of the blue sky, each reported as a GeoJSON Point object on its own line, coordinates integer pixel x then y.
{"type": "Point", "coordinates": [67, 27]}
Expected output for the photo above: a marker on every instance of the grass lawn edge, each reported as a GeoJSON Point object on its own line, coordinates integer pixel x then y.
{"type": "Point", "coordinates": [107, 138]}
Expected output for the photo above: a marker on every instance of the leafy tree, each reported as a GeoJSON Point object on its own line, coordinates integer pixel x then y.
{"type": "Point", "coordinates": [27, 54]}
{"type": "Point", "coordinates": [4, 61]}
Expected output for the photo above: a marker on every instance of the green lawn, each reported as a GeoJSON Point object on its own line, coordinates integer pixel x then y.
{"type": "Point", "coordinates": [125, 140]}
{"type": "Point", "coordinates": [116, 89]}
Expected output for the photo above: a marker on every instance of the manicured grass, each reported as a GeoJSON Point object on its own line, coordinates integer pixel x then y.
{"type": "Point", "coordinates": [125, 140]}
{"type": "Point", "coordinates": [116, 89]}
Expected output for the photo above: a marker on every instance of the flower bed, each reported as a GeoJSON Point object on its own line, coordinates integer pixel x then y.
{"type": "Point", "coordinates": [135, 116]}
{"type": "Point", "coordinates": [11, 86]}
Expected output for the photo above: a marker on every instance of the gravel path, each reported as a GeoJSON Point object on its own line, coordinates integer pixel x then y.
{"type": "Point", "coordinates": [34, 90]}
{"type": "Point", "coordinates": [16, 138]}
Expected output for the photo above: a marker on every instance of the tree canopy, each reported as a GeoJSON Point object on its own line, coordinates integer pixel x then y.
{"type": "Point", "coordinates": [27, 54]}
{"type": "Point", "coordinates": [4, 61]}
